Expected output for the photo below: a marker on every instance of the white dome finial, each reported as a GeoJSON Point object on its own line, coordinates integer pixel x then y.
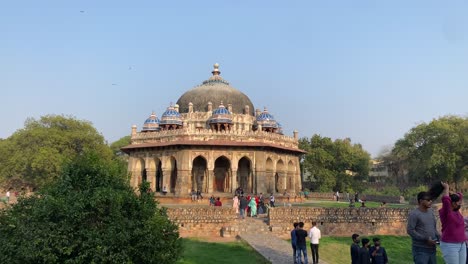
{"type": "Point", "coordinates": [216, 69]}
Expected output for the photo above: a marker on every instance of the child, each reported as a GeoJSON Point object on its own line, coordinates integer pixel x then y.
{"type": "Point", "coordinates": [378, 253]}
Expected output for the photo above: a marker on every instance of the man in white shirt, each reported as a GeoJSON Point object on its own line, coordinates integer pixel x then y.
{"type": "Point", "coordinates": [314, 235]}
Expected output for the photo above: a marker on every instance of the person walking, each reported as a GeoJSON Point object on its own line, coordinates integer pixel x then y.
{"type": "Point", "coordinates": [301, 246]}
{"type": "Point", "coordinates": [235, 203]}
{"type": "Point", "coordinates": [355, 249]}
{"type": "Point", "coordinates": [377, 252]}
{"type": "Point", "coordinates": [272, 200]}
{"type": "Point", "coordinates": [243, 206]}
{"type": "Point", "coordinates": [452, 242]}
{"type": "Point", "coordinates": [253, 207]}
{"type": "Point", "coordinates": [314, 235]}
{"type": "Point", "coordinates": [421, 228]}
{"type": "Point", "coordinates": [293, 241]}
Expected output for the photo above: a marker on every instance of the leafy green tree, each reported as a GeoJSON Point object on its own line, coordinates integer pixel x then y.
{"type": "Point", "coordinates": [35, 154]}
{"type": "Point", "coordinates": [117, 145]}
{"type": "Point", "coordinates": [435, 151]}
{"type": "Point", "coordinates": [90, 215]}
{"type": "Point", "coordinates": [331, 163]}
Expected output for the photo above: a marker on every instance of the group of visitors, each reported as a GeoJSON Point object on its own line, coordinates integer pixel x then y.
{"type": "Point", "coordinates": [250, 205]}
{"type": "Point", "coordinates": [196, 195]}
{"type": "Point", "coordinates": [367, 254]}
{"type": "Point", "coordinates": [215, 202]}
{"type": "Point", "coordinates": [299, 244]}
{"type": "Point", "coordinates": [423, 231]}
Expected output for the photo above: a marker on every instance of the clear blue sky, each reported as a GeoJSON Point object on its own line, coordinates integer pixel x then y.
{"type": "Point", "coordinates": [367, 70]}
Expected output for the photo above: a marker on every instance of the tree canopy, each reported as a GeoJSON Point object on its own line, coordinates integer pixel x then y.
{"type": "Point", "coordinates": [117, 145]}
{"type": "Point", "coordinates": [89, 215]}
{"type": "Point", "coordinates": [35, 154]}
{"type": "Point", "coordinates": [335, 165]}
{"type": "Point", "coordinates": [432, 151]}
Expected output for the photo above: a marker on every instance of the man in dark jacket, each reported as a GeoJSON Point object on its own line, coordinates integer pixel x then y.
{"type": "Point", "coordinates": [243, 206]}
{"type": "Point", "coordinates": [378, 253]}
{"type": "Point", "coordinates": [355, 249]}
{"type": "Point", "coordinates": [364, 256]}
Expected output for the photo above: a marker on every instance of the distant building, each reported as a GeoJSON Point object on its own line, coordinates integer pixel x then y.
{"type": "Point", "coordinates": [213, 140]}
{"type": "Point", "coordinates": [378, 172]}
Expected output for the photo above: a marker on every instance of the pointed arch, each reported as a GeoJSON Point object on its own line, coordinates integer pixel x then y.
{"type": "Point", "coordinates": [173, 177]}
{"type": "Point", "coordinates": [139, 172]}
{"type": "Point", "coordinates": [280, 177]}
{"type": "Point", "coordinates": [200, 174]}
{"type": "Point", "coordinates": [222, 174]}
{"type": "Point", "coordinates": [245, 175]}
{"type": "Point", "coordinates": [158, 175]}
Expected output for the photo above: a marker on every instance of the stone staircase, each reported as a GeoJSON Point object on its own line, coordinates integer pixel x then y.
{"type": "Point", "coordinates": [258, 235]}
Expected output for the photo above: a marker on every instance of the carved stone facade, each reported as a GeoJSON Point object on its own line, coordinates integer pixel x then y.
{"type": "Point", "coordinates": [214, 150]}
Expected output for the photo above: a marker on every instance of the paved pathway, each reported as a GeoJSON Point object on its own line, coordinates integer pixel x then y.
{"type": "Point", "coordinates": [274, 249]}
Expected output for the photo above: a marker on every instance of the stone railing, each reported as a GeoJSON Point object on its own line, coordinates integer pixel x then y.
{"type": "Point", "coordinates": [208, 134]}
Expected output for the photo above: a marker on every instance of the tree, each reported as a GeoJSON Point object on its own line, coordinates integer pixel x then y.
{"type": "Point", "coordinates": [335, 165]}
{"type": "Point", "coordinates": [90, 215]}
{"type": "Point", "coordinates": [435, 151]}
{"type": "Point", "coordinates": [117, 145]}
{"type": "Point", "coordinates": [35, 154]}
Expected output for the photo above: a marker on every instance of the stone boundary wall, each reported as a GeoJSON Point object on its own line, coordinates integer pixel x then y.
{"type": "Point", "coordinates": [202, 221]}
{"type": "Point", "coordinates": [383, 198]}
{"type": "Point", "coordinates": [223, 221]}
{"type": "Point", "coordinates": [341, 221]}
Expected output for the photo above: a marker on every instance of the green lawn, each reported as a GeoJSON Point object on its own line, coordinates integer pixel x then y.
{"type": "Point", "coordinates": [201, 252]}
{"type": "Point", "coordinates": [337, 249]}
{"type": "Point", "coordinates": [334, 204]}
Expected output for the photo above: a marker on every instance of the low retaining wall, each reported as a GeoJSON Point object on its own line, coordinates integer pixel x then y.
{"type": "Point", "coordinates": [223, 221]}
{"type": "Point", "coordinates": [341, 221]}
{"type": "Point", "coordinates": [202, 221]}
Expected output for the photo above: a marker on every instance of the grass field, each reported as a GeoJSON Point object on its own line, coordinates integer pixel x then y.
{"type": "Point", "coordinates": [337, 249]}
{"type": "Point", "coordinates": [202, 252]}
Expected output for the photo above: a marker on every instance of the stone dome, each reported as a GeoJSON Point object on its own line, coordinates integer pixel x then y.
{"type": "Point", "coordinates": [215, 90]}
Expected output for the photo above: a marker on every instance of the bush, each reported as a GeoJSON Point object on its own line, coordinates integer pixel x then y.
{"type": "Point", "coordinates": [90, 215]}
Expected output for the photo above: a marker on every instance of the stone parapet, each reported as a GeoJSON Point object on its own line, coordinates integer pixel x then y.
{"type": "Point", "coordinates": [208, 134]}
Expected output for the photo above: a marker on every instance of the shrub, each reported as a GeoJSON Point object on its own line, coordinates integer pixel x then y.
{"type": "Point", "coordinates": [90, 215]}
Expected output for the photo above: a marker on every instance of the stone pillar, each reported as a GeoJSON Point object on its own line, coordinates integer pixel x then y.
{"type": "Point", "coordinates": [210, 180]}
{"type": "Point", "coordinates": [182, 182]}
{"type": "Point", "coordinates": [166, 179]}
{"type": "Point", "coordinates": [262, 181]}
{"type": "Point", "coordinates": [151, 178]}
{"type": "Point", "coordinates": [136, 178]}
{"type": "Point", "coordinates": [284, 178]}
{"type": "Point", "coordinates": [234, 180]}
